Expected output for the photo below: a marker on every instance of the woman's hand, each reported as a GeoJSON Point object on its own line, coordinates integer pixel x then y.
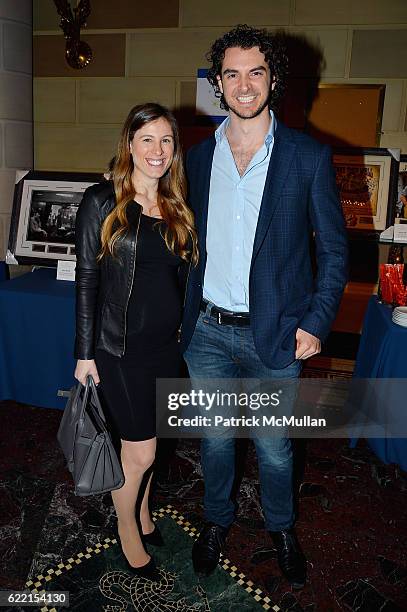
{"type": "Point", "coordinates": [85, 368]}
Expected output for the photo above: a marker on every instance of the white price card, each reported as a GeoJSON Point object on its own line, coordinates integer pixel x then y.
{"type": "Point", "coordinates": [400, 232]}
{"type": "Point", "coordinates": [66, 270]}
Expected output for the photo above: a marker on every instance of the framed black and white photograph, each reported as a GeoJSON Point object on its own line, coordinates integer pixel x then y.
{"type": "Point", "coordinates": [45, 204]}
{"type": "Point", "coordinates": [367, 183]}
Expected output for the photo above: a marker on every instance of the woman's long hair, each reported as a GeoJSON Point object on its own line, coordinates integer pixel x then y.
{"type": "Point", "coordinates": [179, 233]}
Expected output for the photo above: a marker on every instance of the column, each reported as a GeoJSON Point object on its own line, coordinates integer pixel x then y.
{"type": "Point", "coordinates": [16, 109]}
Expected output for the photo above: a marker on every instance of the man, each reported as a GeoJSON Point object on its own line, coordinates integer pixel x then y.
{"type": "Point", "coordinates": [253, 309]}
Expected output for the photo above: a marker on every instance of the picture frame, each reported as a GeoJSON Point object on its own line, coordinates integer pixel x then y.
{"type": "Point", "coordinates": [367, 184]}
{"type": "Point", "coordinates": [207, 104]}
{"type": "Point", "coordinates": [42, 229]}
{"type": "Point", "coordinates": [400, 211]}
{"type": "Point", "coordinates": [347, 114]}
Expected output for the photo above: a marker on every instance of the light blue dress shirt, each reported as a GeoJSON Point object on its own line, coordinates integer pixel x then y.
{"type": "Point", "coordinates": [233, 211]}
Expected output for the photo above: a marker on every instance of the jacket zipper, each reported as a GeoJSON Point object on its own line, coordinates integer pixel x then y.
{"type": "Point", "coordinates": [131, 286]}
{"type": "Point", "coordinates": [185, 299]}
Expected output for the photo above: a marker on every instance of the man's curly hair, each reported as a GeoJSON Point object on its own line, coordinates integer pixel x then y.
{"type": "Point", "coordinates": [247, 37]}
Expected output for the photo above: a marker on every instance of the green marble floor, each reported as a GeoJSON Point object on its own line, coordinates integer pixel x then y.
{"type": "Point", "coordinates": [97, 580]}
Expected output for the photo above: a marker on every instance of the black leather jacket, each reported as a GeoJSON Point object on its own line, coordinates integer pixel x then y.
{"type": "Point", "coordinates": [103, 288]}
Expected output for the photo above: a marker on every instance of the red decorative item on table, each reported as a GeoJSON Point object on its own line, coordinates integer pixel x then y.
{"type": "Point", "coordinates": [392, 289]}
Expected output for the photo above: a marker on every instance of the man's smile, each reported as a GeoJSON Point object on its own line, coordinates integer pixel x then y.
{"type": "Point", "coordinates": [246, 99]}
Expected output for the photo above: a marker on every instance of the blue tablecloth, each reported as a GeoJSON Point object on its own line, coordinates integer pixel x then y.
{"type": "Point", "coordinates": [37, 326]}
{"type": "Point", "coordinates": [383, 354]}
{"type": "Point", "coordinates": [3, 271]}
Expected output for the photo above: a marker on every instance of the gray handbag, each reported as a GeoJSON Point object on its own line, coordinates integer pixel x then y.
{"type": "Point", "coordinates": [87, 444]}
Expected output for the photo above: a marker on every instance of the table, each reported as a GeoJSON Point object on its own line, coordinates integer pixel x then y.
{"type": "Point", "coordinates": [3, 271]}
{"type": "Point", "coordinates": [383, 354]}
{"type": "Point", "coordinates": [37, 327]}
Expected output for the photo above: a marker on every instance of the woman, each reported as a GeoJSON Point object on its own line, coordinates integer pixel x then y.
{"type": "Point", "coordinates": [135, 243]}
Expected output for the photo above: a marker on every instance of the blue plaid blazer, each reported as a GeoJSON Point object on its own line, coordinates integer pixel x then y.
{"type": "Point", "coordinates": [300, 200]}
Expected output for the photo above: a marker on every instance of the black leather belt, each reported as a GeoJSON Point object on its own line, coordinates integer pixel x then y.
{"type": "Point", "coordinates": [225, 317]}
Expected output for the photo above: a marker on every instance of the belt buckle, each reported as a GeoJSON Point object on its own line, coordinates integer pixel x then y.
{"type": "Point", "coordinates": [219, 317]}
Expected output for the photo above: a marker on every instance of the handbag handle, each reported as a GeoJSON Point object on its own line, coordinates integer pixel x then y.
{"type": "Point", "coordinates": [91, 383]}
{"type": "Point", "coordinates": [85, 389]}
{"type": "Point", "coordinates": [94, 407]}
{"type": "Point", "coordinates": [79, 406]}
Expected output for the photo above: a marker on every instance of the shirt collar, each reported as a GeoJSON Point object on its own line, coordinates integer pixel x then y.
{"type": "Point", "coordinates": [220, 132]}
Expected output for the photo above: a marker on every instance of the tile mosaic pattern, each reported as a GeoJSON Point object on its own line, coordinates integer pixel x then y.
{"type": "Point", "coordinates": [38, 583]}
{"type": "Point", "coordinates": [179, 588]}
{"type": "Point", "coordinates": [352, 519]}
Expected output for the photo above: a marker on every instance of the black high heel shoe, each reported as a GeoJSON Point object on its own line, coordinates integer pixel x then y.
{"type": "Point", "coordinates": [154, 538]}
{"type": "Point", "coordinates": [148, 571]}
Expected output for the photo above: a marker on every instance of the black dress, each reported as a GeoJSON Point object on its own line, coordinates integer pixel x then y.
{"type": "Point", "coordinates": [128, 383]}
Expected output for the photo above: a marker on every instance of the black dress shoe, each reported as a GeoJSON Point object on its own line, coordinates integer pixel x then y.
{"type": "Point", "coordinates": [290, 557]}
{"type": "Point", "coordinates": [148, 571]}
{"type": "Point", "coordinates": [154, 538]}
{"type": "Point", "coordinates": [206, 550]}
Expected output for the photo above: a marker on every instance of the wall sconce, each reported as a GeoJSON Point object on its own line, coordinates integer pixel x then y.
{"type": "Point", "coordinates": [78, 54]}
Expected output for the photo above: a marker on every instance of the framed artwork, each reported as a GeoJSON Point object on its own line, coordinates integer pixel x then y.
{"type": "Point", "coordinates": [45, 204]}
{"type": "Point", "coordinates": [207, 104]}
{"type": "Point", "coordinates": [347, 115]}
{"type": "Point", "coordinates": [339, 114]}
{"type": "Point", "coordinates": [367, 183]}
{"type": "Point", "coordinates": [401, 200]}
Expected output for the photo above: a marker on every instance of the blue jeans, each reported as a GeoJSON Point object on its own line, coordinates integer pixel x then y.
{"type": "Point", "coordinates": [226, 351]}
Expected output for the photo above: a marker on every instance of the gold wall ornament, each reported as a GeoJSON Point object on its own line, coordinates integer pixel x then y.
{"type": "Point", "coordinates": [78, 54]}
